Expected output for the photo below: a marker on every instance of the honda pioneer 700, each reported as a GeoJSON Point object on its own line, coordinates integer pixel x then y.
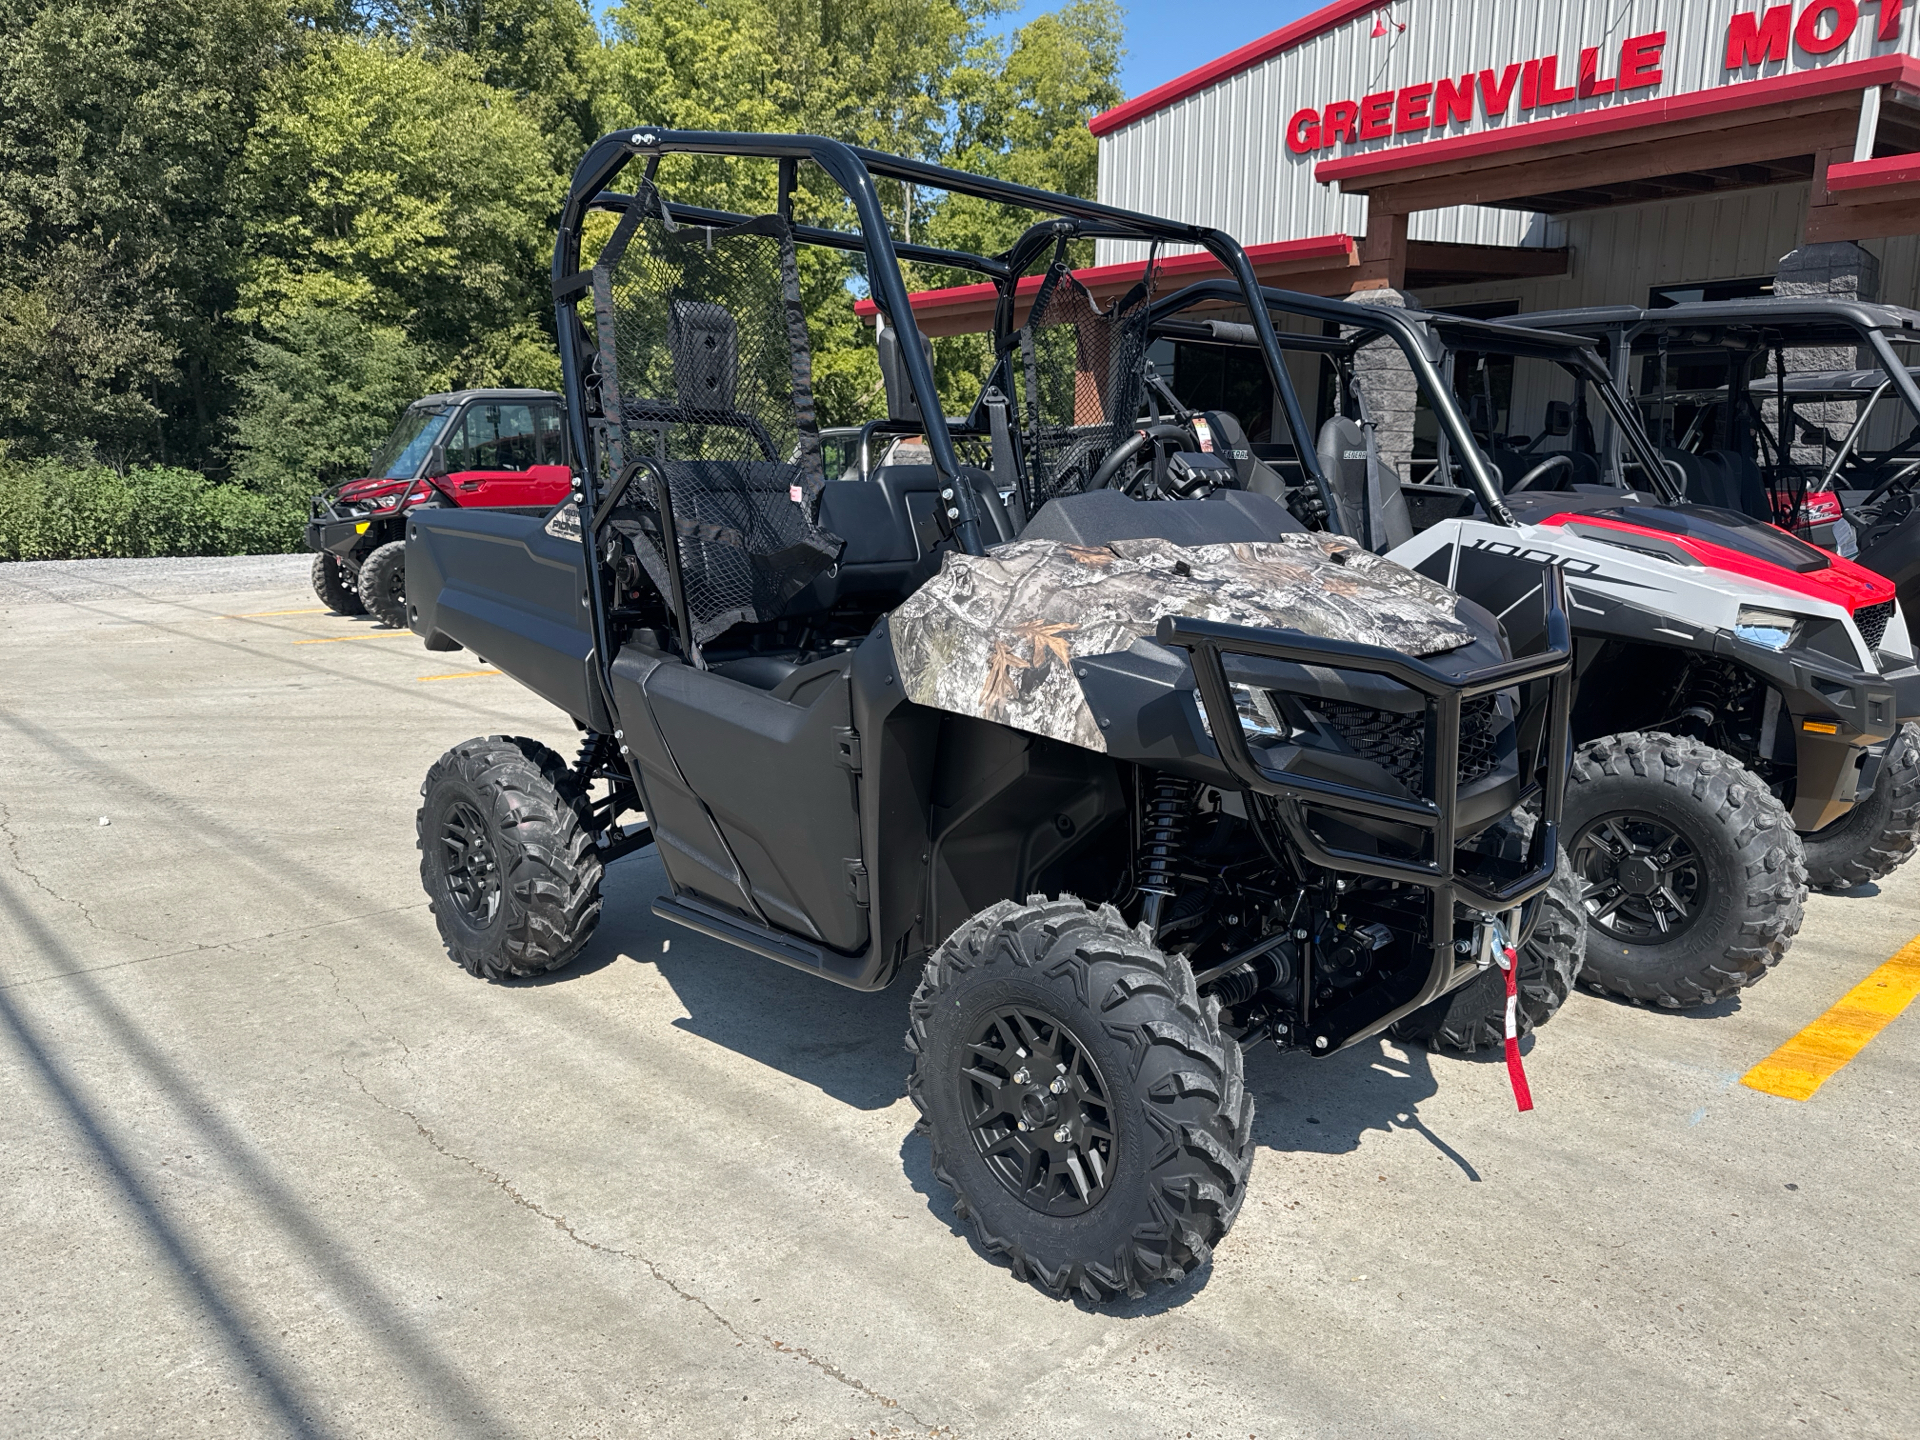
{"type": "Point", "coordinates": [1130, 787]}
{"type": "Point", "coordinates": [1733, 683]}
{"type": "Point", "coordinates": [494, 449]}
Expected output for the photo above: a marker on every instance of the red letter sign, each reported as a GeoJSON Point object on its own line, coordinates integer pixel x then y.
{"type": "Point", "coordinates": [1640, 61]}
{"type": "Point", "coordinates": [1376, 115]}
{"type": "Point", "coordinates": [1754, 42]}
{"type": "Point", "coordinates": [1552, 93]}
{"type": "Point", "coordinates": [1411, 113]}
{"type": "Point", "coordinates": [1806, 34]}
{"type": "Point", "coordinates": [1494, 99]}
{"type": "Point", "coordinates": [1303, 132]}
{"type": "Point", "coordinates": [1337, 124]}
{"type": "Point", "coordinates": [1590, 82]}
{"type": "Point", "coordinates": [1453, 104]}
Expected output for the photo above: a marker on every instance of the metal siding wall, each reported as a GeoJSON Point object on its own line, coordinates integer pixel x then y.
{"type": "Point", "coordinates": [1621, 253]}
{"type": "Point", "coordinates": [1220, 157]}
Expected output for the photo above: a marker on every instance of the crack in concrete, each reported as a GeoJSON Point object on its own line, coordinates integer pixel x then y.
{"type": "Point", "coordinates": [566, 1228]}
{"type": "Point", "coordinates": [19, 868]}
{"type": "Point", "coordinates": [202, 948]}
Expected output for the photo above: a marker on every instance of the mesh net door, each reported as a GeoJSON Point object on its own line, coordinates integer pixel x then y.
{"type": "Point", "coordinates": [1084, 375]}
{"type": "Point", "coordinates": [704, 368]}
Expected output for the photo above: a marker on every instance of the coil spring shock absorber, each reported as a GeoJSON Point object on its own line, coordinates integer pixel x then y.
{"type": "Point", "coordinates": [593, 754]}
{"type": "Point", "coordinates": [1163, 825]}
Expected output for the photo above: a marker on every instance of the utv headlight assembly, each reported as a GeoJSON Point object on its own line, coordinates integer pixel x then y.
{"type": "Point", "coordinates": [1768, 629]}
{"type": "Point", "coordinates": [1259, 717]}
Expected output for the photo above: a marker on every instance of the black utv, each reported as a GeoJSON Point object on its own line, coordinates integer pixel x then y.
{"type": "Point", "coordinates": [1130, 787]}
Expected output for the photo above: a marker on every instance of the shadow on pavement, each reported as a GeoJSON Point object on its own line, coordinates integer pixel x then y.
{"type": "Point", "coordinates": [358, 1291]}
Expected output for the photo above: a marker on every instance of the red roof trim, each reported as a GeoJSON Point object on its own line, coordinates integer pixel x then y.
{"type": "Point", "coordinates": [1188, 266]}
{"type": "Point", "coordinates": [1723, 99]}
{"type": "Point", "coordinates": [1869, 174]}
{"type": "Point", "coordinates": [1246, 57]}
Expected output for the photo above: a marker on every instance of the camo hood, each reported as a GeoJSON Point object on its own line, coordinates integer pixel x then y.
{"type": "Point", "coordinates": [994, 636]}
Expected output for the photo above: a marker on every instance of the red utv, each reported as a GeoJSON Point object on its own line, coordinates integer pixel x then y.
{"type": "Point", "coordinates": [493, 449]}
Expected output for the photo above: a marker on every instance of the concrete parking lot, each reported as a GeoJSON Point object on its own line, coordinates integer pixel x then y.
{"type": "Point", "coordinates": [275, 1166]}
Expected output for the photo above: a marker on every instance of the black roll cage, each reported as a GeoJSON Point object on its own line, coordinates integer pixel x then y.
{"type": "Point", "coordinates": [853, 169]}
{"type": "Point", "coordinates": [1426, 338]}
{"type": "Point", "coordinates": [1747, 327]}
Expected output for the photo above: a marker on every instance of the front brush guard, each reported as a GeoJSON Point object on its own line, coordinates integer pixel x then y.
{"type": "Point", "coordinates": [1437, 868]}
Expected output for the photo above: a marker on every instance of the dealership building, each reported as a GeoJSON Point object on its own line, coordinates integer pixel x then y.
{"type": "Point", "coordinates": [1512, 155]}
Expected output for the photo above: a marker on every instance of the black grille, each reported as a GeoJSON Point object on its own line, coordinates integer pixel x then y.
{"type": "Point", "coordinates": [1872, 620]}
{"type": "Point", "coordinates": [1398, 743]}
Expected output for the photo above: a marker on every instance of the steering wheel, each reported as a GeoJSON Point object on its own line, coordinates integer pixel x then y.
{"type": "Point", "coordinates": [1552, 462]}
{"type": "Point", "coordinates": [1885, 485]}
{"type": "Point", "coordinates": [1122, 456]}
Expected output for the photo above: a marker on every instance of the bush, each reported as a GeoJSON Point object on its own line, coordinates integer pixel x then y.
{"type": "Point", "coordinates": [50, 511]}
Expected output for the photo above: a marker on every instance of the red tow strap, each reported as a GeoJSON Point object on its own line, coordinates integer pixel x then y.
{"type": "Point", "coordinates": [1516, 1072]}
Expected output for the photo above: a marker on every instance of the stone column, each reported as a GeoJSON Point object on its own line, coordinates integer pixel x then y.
{"type": "Point", "coordinates": [1385, 381]}
{"type": "Point", "coordinates": [1844, 270]}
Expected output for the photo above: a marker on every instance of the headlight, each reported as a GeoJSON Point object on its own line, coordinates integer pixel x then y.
{"type": "Point", "coordinates": [1766, 628]}
{"type": "Point", "coordinates": [1259, 719]}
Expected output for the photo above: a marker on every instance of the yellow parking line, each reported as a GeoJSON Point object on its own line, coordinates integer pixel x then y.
{"type": "Point", "coordinates": [370, 635]}
{"type": "Point", "coordinates": [263, 614]}
{"type": "Point", "coordinates": [1817, 1053]}
{"type": "Point", "coordinates": [461, 675]}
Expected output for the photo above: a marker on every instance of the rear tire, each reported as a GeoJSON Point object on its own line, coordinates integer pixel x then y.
{"type": "Point", "coordinates": [1132, 1171]}
{"type": "Point", "coordinates": [333, 583]}
{"type": "Point", "coordinates": [1875, 837]}
{"type": "Point", "coordinates": [1693, 879]}
{"type": "Point", "coordinates": [1474, 1017]}
{"type": "Point", "coordinates": [383, 584]}
{"type": "Point", "coordinates": [506, 858]}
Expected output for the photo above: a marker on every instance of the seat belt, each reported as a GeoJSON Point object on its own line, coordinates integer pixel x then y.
{"type": "Point", "coordinates": [1006, 470]}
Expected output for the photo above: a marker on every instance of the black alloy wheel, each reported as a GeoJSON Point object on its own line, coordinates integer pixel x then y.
{"type": "Point", "coordinates": [1138, 1130]}
{"type": "Point", "coordinates": [383, 584]}
{"type": "Point", "coordinates": [1038, 1111]}
{"type": "Point", "coordinates": [1690, 874]}
{"type": "Point", "coordinates": [1642, 877]}
{"type": "Point", "coordinates": [508, 857]}
{"type": "Point", "coordinates": [472, 869]}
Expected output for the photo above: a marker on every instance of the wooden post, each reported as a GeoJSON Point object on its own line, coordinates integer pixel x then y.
{"type": "Point", "coordinates": [1383, 252]}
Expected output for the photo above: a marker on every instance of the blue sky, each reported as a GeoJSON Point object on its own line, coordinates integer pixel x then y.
{"type": "Point", "coordinates": [1166, 38]}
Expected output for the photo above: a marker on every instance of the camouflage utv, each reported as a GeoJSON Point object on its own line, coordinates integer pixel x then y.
{"type": "Point", "coordinates": [1130, 788]}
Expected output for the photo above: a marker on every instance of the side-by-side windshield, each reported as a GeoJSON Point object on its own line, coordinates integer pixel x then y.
{"type": "Point", "coordinates": [406, 448]}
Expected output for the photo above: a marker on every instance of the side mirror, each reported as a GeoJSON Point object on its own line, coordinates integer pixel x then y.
{"type": "Point", "coordinates": [1559, 418]}
{"type": "Point", "coordinates": [902, 403]}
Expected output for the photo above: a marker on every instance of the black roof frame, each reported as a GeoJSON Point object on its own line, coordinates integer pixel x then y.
{"type": "Point", "coordinates": [854, 169]}
{"type": "Point", "coordinates": [1425, 337]}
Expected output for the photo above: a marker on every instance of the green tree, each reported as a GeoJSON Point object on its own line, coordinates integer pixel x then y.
{"type": "Point", "coordinates": [1021, 113]}
{"type": "Point", "coordinates": [119, 124]}
{"type": "Point", "coordinates": [547, 53]}
{"type": "Point", "coordinates": [400, 185]}
{"type": "Point", "coordinates": [320, 396]}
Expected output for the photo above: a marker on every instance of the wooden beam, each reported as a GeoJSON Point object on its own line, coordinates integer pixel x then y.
{"type": "Point", "coordinates": [1646, 158]}
{"type": "Point", "coordinates": [1383, 251]}
{"type": "Point", "coordinates": [1582, 147]}
{"type": "Point", "coordinates": [1853, 219]}
{"type": "Point", "coordinates": [1486, 262]}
